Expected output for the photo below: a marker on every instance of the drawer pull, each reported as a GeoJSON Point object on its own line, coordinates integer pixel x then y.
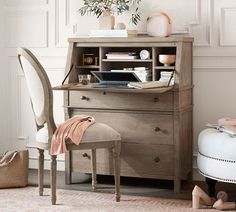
{"type": "Point", "coordinates": [156, 99]}
{"type": "Point", "coordinates": [84, 98]}
{"type": "Point", "coordinates": [157, 129]}
{"type": "Point", "coordinates": [85, 155]}
{"type": "Point", "coordinates": [157, 159]}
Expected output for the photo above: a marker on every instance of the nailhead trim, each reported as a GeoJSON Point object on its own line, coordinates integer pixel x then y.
{"type": "Point", "coordinates": [219, 159]}
{"type": "Point", "coordinates": [217, 178]}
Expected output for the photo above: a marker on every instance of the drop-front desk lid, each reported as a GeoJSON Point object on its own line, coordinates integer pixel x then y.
{"type": "Point", "coordinates": [79, 87]}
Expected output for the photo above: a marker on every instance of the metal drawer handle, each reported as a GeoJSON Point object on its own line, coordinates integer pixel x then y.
{"type": "Point", "coordinates": [156, 99]}
{"type": "Point", "coordinates": [157, 129]}
{"type": "Point", "coordinates": [85, 155]}
{"type": "Point", "coordinates": [157, 159]}
{"type": "Point", "coordinates": [84, 98]}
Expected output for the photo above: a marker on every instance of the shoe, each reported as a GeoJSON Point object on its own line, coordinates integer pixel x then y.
{"type": "Point", "coordinates": [222, 195]}
{"type": "Point", "coordinates": [200, 197]}
{"type": "Point", "coordinates": [221, 205]}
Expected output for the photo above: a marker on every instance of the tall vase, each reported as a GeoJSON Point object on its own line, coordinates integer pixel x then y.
{"type": "Point", "coordinates": [106, 20]}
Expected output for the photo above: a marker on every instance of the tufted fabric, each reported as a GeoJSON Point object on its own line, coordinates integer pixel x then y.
{"type": "Point", "coordinates": [213, 143]}
{"type": "Point", "coordinates": [217, 155]}
{"type": "Point", "coordinates": [94, 133]}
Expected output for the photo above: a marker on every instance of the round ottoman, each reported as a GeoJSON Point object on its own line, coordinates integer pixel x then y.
{"type": "Point", "coordinates": [217, 155]}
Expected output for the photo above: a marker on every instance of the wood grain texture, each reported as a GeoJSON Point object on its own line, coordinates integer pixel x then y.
{"type": "Point", "coordinates": [108, 100]}
{"type": "Point", "coordinates": [137, 160]}
{"type": "Point", "coordinates": [131, 40]}
{"type": "Point", "coordinates": [155, 124]}
{"type": "Point", "coordinates": [151, 128]}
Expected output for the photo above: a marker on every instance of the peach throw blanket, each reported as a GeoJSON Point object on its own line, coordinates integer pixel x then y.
{"type": "Point", "coordinates": [228, 123]}
{"type": "Point", "coordinates": [72, 129]}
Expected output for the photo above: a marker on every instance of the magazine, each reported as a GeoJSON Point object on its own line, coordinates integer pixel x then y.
{"type": "Point", "coordinates": [230, 130]}
{"type": "Point", "coordinates": [148, 85]}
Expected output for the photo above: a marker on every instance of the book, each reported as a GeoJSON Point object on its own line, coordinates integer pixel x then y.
{"type": "Point", "coordinates": [109, 33]}
{"type": "Point", "coordinates": [122, 53]}
{"type": "Point", "coordinates": [143, 75]}
{"type": "Point", "coordinates": [120, 57]}
{"type": "Point", "coordinates": [230, 130]}
{"type": "Point", "coordinates": [147, 85]}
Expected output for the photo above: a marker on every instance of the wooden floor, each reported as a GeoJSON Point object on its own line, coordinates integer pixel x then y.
{"type": "Point", "coordinates": [132, 186]}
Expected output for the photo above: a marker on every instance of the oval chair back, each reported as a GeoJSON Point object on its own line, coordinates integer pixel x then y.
{"type": "Point", "coordinates": [40, 90]}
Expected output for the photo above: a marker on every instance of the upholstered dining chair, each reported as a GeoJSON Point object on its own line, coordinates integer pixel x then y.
{"type": "Point", "coordinates": [96, 136]}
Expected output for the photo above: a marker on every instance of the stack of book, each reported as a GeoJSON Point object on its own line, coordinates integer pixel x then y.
{"type": "Point", "coordinates": [115, 33]}
{"type": "Point", "coordinates": [167, 76]}
{"type": "Point", "coordinates": [148, 85]}
{"type": "Point", "coordinates": [121, 55]}
{"type": "Point", "coordinates": [143, 73]}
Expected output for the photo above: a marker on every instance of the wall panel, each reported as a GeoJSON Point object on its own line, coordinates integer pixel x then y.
{"type": "Point", "coordinates": [45, 25]}
{"type": "Point", "coordinates": [26, 28]}
{"type": "Point", "coordinates": [24, 2]}
{"type": "Point", "coordinates": [227, 32]}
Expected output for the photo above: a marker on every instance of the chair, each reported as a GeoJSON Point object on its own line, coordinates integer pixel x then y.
{"type": "Point", "coordinates": [216, 158]}
{"type": "Point", "coordinates": [98, 135]}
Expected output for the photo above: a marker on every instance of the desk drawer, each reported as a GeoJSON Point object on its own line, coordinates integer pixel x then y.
{"type": "Point", "coordinates": [134, 101]}
{"type": "Point", "coordinates": [137, 127]}
{"type": "Point", "coordinates": [137, 160]}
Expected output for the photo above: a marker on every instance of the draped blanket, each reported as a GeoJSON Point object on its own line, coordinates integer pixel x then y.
{"type": "Point", "coordinates": [72, 129]}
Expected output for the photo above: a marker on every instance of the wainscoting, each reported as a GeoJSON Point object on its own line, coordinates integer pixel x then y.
{"type": "Point", "coordinates": [44, 25]}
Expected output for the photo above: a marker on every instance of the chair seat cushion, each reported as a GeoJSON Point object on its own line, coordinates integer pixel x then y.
{"type": "Point", "coordinates": [94, 133]}
{"type": "Point", "coordinates": [213, 143]}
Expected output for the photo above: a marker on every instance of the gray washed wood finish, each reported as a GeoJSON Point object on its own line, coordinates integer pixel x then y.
{"type": "Point", "coordinates": [47, 118]}
{"type": "Point", "coordinates": [156, 124]}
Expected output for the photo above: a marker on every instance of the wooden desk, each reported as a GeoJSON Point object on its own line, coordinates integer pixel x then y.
{"type": "Point", "coordinates": [155, 124]}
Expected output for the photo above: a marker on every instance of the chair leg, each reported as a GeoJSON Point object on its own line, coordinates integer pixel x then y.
{"type": "Point", "coordinates": [211, 187]}
{"type": "Point", "coordinates": [53, 178]}
{"type": "Point", "coordinates": [94, 169]}
{"type": "Point", "coordinates": [40, 171]}
{"type": "Point", "coordinates": [116, 159]}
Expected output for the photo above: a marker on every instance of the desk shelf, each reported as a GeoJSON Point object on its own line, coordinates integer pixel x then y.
{"type": "Point", "coordinates": [132, 60]}
{"type": "Point", "coordinates": [88, 67]}
{"type": "Point", "coordinates": [165, 67]}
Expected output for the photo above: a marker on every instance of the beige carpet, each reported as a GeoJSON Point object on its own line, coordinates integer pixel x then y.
{"type": "Point", "coordinates": [27, 200]}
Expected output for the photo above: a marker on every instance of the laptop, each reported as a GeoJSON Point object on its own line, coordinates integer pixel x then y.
{"type": "Point", "coordinates": [109, 79]}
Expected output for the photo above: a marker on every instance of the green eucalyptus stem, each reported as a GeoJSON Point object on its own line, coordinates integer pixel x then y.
{"type": "Point", "coordinates": [96, 7]}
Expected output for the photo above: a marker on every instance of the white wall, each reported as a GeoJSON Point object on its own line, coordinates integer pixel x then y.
{"type": "Point", "coordinates": [43, 26]}
{"type": "Point", "coordinates": [4, 142]}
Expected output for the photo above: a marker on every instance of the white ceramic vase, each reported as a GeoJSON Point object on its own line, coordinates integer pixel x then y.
{"type": "Point", "coordinates": [106, 20]}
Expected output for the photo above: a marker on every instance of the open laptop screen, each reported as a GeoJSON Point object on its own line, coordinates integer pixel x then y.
{"type": "Point", "coordinates": [107, 76]}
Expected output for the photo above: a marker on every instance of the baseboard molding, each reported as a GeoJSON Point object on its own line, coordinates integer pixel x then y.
{"type": "Point", "coordinates": [33, 159]}
{"type": "Point", "coordinates": [33, 164]}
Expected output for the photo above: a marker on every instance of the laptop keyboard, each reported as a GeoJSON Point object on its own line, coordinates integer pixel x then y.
{"type": "Point", "coordinates": [112, 84]}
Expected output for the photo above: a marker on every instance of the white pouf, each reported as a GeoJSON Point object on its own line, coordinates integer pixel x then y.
{"type": "Point", "coordinates": [217, 155]}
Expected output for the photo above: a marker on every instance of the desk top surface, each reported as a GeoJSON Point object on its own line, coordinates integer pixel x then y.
{"type": "Point", "coordinates": [79, 87]}
{"type": "Point", "coordinates": [137, 39]}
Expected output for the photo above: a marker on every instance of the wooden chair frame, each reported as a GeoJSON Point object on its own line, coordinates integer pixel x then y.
{"type": "Point", "coordinates": [47, 118]}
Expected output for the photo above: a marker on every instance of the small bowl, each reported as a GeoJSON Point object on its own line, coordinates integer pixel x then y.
{"type": "Point", "coordinates": [167, 59]}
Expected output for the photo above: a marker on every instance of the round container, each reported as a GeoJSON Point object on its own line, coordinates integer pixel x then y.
{"type": "Point", "coordinates": [159, 24]}
{"type": "Point", "coordinates": [167, 59]}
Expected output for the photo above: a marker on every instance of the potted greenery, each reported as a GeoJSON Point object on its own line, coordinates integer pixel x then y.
{"type": "Point", "coordinates": [105, 9]}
